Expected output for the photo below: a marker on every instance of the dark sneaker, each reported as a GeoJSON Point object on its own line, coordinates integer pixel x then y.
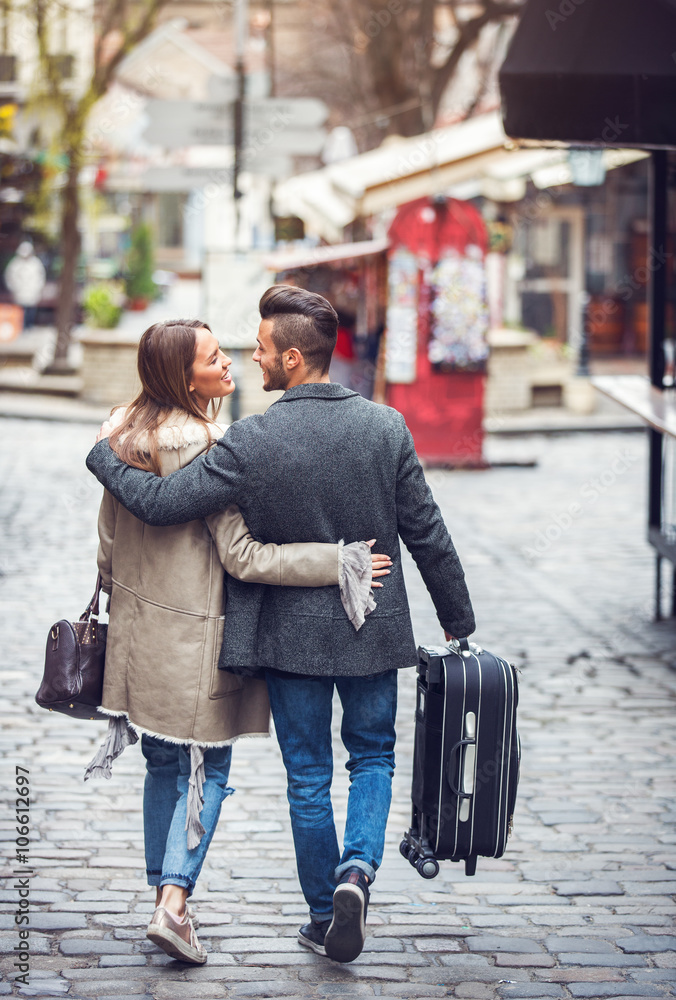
{"type": "Point", "coordinates": [312, 935]}
{"type": "Point", "coordinates": [346, 934]}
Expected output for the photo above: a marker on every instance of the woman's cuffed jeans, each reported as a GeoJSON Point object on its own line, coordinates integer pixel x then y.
{"type": "Point", "coordinates": [301, 709]}
{"type": "Point", "coordinates": [165, 797]}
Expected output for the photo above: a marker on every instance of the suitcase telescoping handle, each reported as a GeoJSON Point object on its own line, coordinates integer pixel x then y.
{"type": "Point", "coordinates": [460, 646]}
{"type": "Point", "coordinates": [431, 659]}
{"type": "Point", "coordinates": [451, 766]}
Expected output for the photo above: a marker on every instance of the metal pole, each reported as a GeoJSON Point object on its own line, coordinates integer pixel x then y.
{"type": "Point", "coordinates": [241, 30]}
{"type": "Point", "coordinates": [583, 351]}
{"type": "Point", "coordinates": [583, 355]}
{"type": "Point", "coordinates": [271, 49]}
{"type": "Point", "coordinates": [241, 33]}
{"type": "Point", "coordinates": [657, 282]}
{"type": "Point", "coordinates": [236, 394]}
{"type": "Point", "coordinates": [657, 209]}
{"type": "Point", "coordinates": [658, 588]}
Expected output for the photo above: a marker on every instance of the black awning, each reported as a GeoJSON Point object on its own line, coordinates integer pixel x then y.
{"type": "Point", "coordinates": [593, 72]}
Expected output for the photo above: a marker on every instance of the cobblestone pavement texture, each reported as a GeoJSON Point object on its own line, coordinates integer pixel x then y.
{"type": "Point", "coordinates": [582, 903]}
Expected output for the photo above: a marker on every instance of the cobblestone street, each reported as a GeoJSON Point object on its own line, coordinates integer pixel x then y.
{"type": "Point", "coordinates": [582, 903]}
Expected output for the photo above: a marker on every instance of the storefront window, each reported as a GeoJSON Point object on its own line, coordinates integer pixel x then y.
{"type": "Point", "coordinates": [550, 248]}
{"type": "Point", "coordinates": [582, 244]}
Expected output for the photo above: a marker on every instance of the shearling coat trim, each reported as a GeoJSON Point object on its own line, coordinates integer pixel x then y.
{"type": "Point", "coordinates": [142, 731]}
{"type": "Point", "coordinates": [179, 430]}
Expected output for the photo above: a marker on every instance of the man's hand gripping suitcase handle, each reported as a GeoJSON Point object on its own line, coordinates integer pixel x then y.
{"type": "Point", "coordinates": [458, 645]}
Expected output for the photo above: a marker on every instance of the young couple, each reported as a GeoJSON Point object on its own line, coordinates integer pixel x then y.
{"type": "Point", "coordinates": [194, 654]}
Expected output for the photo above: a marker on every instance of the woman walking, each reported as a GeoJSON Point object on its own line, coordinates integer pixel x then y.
{"type": "Point", "coordinates": [166, 620]}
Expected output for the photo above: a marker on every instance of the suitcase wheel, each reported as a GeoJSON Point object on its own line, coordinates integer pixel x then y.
{"type": "Point", "coordinates": [427, 867]}
{"type": "Point", "coordinates": [405, 849]}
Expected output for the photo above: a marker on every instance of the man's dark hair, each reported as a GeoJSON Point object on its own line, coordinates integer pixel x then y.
{"type": "Point", "coordinates": [304, 320]}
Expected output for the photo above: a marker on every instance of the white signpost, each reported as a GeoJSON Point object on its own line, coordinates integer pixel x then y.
{"type": "Point", "coordinates": [299, 112]}
{"type": "Point", "coordinates": [174, 124]}
{"type": "Point", "coordinates": [182, 178]}
{"type": "Point", "coordinates": [290, 125]}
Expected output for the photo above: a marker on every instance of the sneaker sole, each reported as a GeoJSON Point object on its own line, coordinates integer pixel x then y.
{"type": "Point", "coordinates": [345, 937]}
{"type": "Point", "coordinates": [318, 949]}
{"type": "Point", "coordinates": [174, 945]}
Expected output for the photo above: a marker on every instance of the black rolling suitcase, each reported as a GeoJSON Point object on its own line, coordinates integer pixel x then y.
{"type": "Point", "coordinates": [465, 760]}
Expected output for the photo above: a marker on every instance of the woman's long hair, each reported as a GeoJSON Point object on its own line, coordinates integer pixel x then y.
{"type": "Point", "coordinates": [166, 355]}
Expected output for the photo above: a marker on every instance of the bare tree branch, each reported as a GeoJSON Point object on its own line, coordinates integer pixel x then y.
{"type": "Point", "coordinates": [104, 74]}
{"type": "Point", "coordinates": [366, 57]}
{"type": "Point", "coordinates": [47, 64]}
{"type": "Point", "coordinates": [469, 31]}
{"type": "Point", "coordinates": [111, 19]}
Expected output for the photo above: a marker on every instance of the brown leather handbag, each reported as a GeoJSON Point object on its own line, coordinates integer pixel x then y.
{"type": "Point", "coordinates": [74, 659]}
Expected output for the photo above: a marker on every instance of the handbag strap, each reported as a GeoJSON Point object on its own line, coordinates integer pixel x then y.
{"type": "Point", "coordinates": [92, 609]}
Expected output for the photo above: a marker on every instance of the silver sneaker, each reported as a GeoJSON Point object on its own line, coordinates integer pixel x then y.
{"type": "Point", "coordinates": [176, 937]}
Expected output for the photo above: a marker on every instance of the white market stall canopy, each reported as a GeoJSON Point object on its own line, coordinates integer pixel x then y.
{"type": "Point", "coordinates": [344, 253]}
{"type": "Point", "coordinates": [472, 158]}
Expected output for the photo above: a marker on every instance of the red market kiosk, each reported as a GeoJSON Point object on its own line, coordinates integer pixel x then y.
{"type": "Point", "coordinates": [437, 315]}
{"type": "Point", "coordinates": [421, 295]}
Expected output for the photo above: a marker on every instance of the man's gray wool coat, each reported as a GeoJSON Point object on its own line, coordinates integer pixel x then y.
{"type": "Point", "coordinates": [321, 464]}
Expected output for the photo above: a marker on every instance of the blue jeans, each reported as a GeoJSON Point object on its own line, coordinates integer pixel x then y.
{"type": "Point", "coordinates": [165, 796]}
{"type": "Point", "coordinates": [301, 709]}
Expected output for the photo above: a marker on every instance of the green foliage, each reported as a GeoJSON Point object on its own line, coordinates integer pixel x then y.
{"type": "Point", "coordinates": [141, 264]}
{"type": "Point", "coordinates": [100, 303]}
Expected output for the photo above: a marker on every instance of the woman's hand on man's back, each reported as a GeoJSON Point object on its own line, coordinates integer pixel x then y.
{"type": "Point", "coordinates": [380, 563]}
{"type": "Point", "coordinates": [104, 431]}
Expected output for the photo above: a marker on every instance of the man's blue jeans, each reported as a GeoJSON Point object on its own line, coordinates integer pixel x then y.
{"type": "Point", "coordinates": [301, 709]}
{"type": "Point", "coordinates": [165, 797]}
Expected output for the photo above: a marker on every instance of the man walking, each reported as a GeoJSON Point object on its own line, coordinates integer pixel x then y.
{"type": "Point", "coordinates": [321, 464]}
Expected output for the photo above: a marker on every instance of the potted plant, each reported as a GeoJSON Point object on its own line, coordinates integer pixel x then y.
{"type": "Point", "coordinates": [102, 305]}
{"type": "Point", "coordinates": [140, 286]}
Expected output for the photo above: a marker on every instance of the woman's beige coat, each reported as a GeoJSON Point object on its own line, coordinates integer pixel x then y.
{"type": "Point", "coordinates": [166, 608]}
